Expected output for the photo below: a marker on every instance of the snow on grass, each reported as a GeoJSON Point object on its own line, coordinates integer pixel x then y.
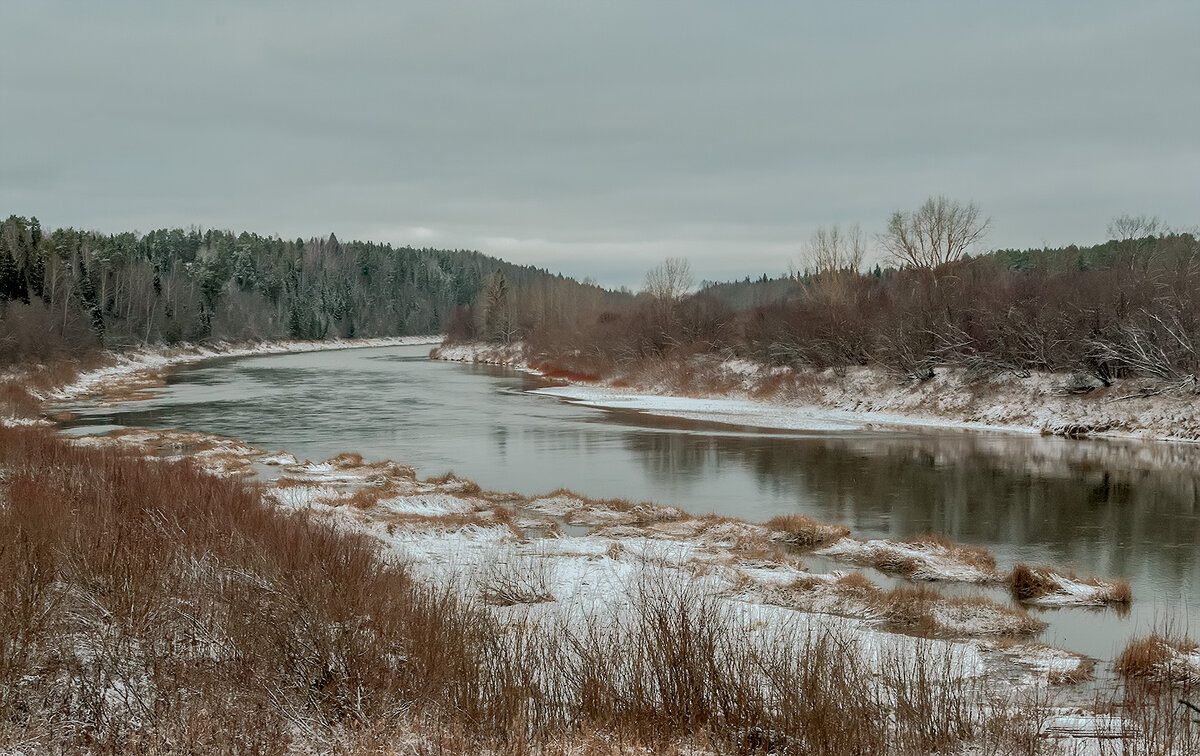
{"type": "Point", "coordinates": [919, 559]}
{"type": "Point", "coordinates": [481, 544]}
{"type": "Point", "coordinates": [742, 393]}
{"type": "Point", "coordinates": [492, 354]}
{"type": "Point", "coordinates": [576, 509]}
{"type": "Point", "coordinates": [1088, 726]}
{"type": "Point", "coordinates": [279, 459]}
{"type": "Point", "coordinates": [1056, 665]}
{"type": "Point", "coordinates": [1047, 587]}
{"type": "Point", "coordinates": [1161, 658]}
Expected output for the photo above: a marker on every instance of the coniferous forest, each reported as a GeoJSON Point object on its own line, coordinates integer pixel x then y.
{"type": "Point", "coordinates": [65, 292]}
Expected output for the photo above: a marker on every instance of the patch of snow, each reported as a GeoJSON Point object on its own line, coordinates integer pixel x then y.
{"type": "Point", "coordinates": [919, 561]}
{"type": "Point", "coordinates": [727, 411]}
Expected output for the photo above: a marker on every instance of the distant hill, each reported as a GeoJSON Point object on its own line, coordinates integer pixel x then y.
{"type": "Point", "coordinates": [65, 290]}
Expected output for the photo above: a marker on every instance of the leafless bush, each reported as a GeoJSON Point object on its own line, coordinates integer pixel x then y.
{"type": "Point", "coordinates": [508, 578]}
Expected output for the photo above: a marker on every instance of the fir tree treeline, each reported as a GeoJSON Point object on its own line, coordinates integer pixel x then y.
{"type": "Point", "coordinates": [63, 292]}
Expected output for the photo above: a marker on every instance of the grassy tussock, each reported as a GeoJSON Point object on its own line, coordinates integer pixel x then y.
{"type": "Point", "coordinates": [806, 532]}
{"type": "Point", "coordinates": [917, 611]}
{"type": "Point", "coordinates": [453, 483]}
{"type": "Point", "coordinates": [975, 556]}
{"type": "Point", "coordinates": [1160, 658]}
{"type": "Point", "coordinates": [577, 509]}
{"type": "Point", "coordinates": [16, 400]}
{"type": "Point", "coordinates": [1031, 584]}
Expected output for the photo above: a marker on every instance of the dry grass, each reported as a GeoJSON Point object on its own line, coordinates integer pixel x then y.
{"type": "Point", "coordinates": [148, 599]}
{"type": "Point", "coordinates": [927, 557]}
{"type": "Point", "coordinates": [153, 608]}
{"type": "Point", "coordinates": [1029, 584]}
{"type": "Point", "coordinates": [150, 608]}
{"type": "Point", "coordinates": [806, 532]}
{"type": "Point", "coordinates": [1160, 658]}
{"type": "Point", "coordinates": [452, 482]}
{"type": "Point", "coordinates": [856, 582]}
{"type": "Point", "coordinates": [925, 613]}
{"type": "Point", "coordinates": [519, 579]}
{"type": "Point", "coordinates": [17, 401]}
{"type": "Point", "coordinates": [975, 556]}
{"type": "Point", "coordinates": [586, 510]}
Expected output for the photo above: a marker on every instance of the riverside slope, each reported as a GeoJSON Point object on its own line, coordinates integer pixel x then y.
{"type": "Point", "coordinates": [737, 392]}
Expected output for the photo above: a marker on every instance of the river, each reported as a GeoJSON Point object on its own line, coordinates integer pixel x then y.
{"type": "Point", "coordinates": [1105, 507]}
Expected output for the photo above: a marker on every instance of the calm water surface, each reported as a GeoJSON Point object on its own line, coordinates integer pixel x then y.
{"type": "Point", "coordinates": [1112, 508]}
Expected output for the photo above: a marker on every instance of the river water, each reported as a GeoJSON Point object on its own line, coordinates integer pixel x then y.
{"type": "Point", "coordinates": [1110, 508]}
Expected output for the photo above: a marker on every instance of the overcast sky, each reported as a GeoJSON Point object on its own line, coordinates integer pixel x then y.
{"type": "Point", "coordinates": [598, 138]}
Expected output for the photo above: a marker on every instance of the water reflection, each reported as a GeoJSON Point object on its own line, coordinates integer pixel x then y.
{"type": "Point", "coordinates": [1112, 507]}
{"type": "Point", "coordinates": [1115, 508]}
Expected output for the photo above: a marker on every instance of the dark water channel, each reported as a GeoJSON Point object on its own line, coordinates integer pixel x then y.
{"type": "Point", "coordinates": [1112, 508]}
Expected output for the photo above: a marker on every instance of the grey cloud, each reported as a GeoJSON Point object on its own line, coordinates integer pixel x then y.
{"type": "Point", "coordinates": [600, 137]}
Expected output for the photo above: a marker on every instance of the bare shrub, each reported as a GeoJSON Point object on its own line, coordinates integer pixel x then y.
{"type": "Point", "coordinates": [508, 579]}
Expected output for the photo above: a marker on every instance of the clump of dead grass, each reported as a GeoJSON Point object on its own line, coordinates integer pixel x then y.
{"type": "Point", "coordinates": [1048, 586]}
{"type": "Point", "coordinates": [1159, 658]}
{"type": "Point", "coordinates": [455, 484]}
{"type": "Point", "coordinates": [924, 558]}
{"type": "Point", "coordinates": [806, 532]}
{"type": "Point", "coordinates": [516, 579]}
{"type": "Point", "coordinates": [923, 612]}
{"type": "Point", "coordinates": [16, 401]}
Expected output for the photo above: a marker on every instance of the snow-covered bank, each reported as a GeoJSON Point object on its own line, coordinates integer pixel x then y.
{"type": "Point", "coordinates": [139, 370]}
{"type": "Point", "coordinates": [509, 549]}
{"type": "Point", "coordinates": [737, 392]}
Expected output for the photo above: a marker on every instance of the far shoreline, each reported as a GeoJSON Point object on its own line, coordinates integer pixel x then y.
{"type": "Point", "coordinates": [838, 405]}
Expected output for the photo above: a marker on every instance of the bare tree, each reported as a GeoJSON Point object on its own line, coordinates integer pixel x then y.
{"type": "Point", "coordinates": [1137, 238]}
{"type": "Point", "coordinates": [833, 250]}
{"type": "Point", "coordinates": [1126, 228]}
{"type": "Point", "coordinates": [669, 281]}
{"type": "Point", "coordinates": [936, 233]}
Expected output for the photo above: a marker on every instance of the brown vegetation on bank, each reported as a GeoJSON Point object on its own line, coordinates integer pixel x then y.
{"type": "Point", "coordinates": [1042, 584]}
{"type": "Point", "coordinates": [150, 607]}
{"type": "Point", "coordinates": [806, 532]}
{"type": "Point", "coordinates": [1161, 658]}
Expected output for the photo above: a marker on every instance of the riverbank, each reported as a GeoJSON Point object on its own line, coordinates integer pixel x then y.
{"type": "Point", "coordinates": [736, 392]}
{"type": "Point", "coordinates": [564, 573]}
{"type": "Point", "coordinates": [119, 376]}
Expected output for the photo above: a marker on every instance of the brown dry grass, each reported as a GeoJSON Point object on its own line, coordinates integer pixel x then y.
{"type": "Point", "coordinates": [150, 608]}
{"type": "Point", "coordinates": [856, 582]}
{"type": "Point", "coordinates": [975, 556]}
{"type": "Point", "coordinates": [1028, 583]}
{"type": "Point", "coordinates": [1031, 583]}
{"type": "Point", "coordinates": [455, 483]}
{"type": "Point", "coordinates": [17, 401]}
{"type": "Point", "coordinates": [1121, 592]}
{"type": "Point", "coordinates": [148, 599]}
{"type": "Point", "coordinates": [806, 532]}
{"type": "Point", "coordinates": [1156, 657]}
{"type": "Point", "coordinates": [914, 611]}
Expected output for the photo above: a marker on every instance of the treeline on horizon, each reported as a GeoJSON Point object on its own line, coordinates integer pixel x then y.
{"type": "Point", "coordinates": [65, 293]}
{"type": "Point", "coordinates": [1125, 308]}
